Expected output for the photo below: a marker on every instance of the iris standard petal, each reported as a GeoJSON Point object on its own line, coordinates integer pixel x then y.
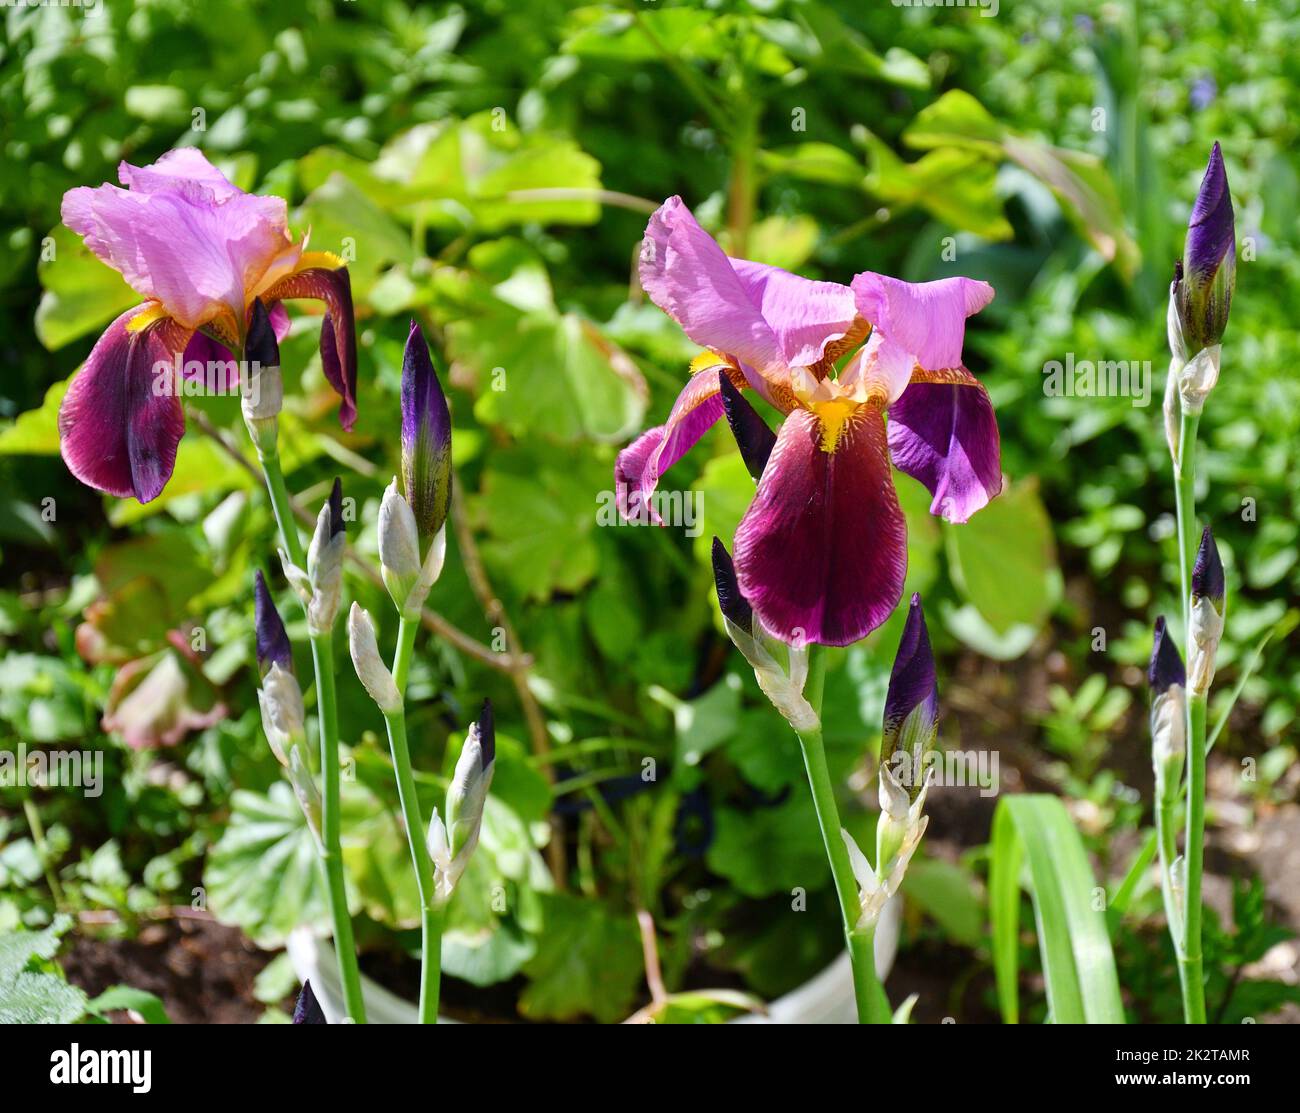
{"type": "Point", "coordinates": [121, 420]}
{"type": "Point", "coordinates": [918, 323]}
{"type": "Point", "coordinates": [639, 466]}
{"type": "Point", "coordinates": [822, 551]}
{"type": "Point", "coordinates": [325, 278]}
{"type": "Point", "coordinates": [805, 315]}
{"type": "Point", "coordinates": [194, 243]}
{"type": "Point", "coordinates": [942, 431]}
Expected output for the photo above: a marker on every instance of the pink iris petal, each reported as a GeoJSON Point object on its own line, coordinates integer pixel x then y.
{"type": "Point", "coordinates": [918, 323]}
{"type": "Point", "coordinates": [183, 235]}
{"type": "Point", "coordinates": [761, 315]}
{"type": "Point", "coordinates": [944, 433]}
{"type": "Point", "coordinates": [804, 315]}
{"type": "Point", "coordinates": [822, 551]}
{"type": "Point", "coordinates": [338, 336]}
{"type": "Point", "coordinates": [639, 466]}
{"type": "Point", "coordinates": [121, 420]}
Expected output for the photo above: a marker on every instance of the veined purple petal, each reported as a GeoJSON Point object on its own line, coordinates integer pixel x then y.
{"type": "Point", "coordinates": [1207, 571]}
{"type": "Point", "coordinates": [730, 601]}
{"type": "Point", "coordinates": [917, 324]}
{"type": "Point", "coordinates": [752, 434]}
{"type": "Point", "coordinates": [639, 466]}
{"type": "Point", "coordinates": [822, 551]}
{"type": "Point", "coordinates": [804, 314]}
{"type": "Point", "coordinates": [338, 336]}
{"type": "Point", "coordinates": [122, 418]}
{"type": "Point", "coordinates": [1166, 667]}
{"type": "Point", "coordinates": [912, 682]}
{"type": "Point", "coordinates": [942, 431]}
{"type": "Point", "coordinates": [273, 646]}
{"type": "Point", "coordinates": [1211, 232]}
{"type": "Point", "coordinates": [426, 437]}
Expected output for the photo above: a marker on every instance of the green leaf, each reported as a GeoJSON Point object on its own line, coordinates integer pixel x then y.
{"type": "Point", "coordinates": [121, 997]}
{"type": "Point", "coordinates": [947, 893]}
{"type": "Point", "coordinates": [18, 948]}
{"type": "Point", "coordinates": [81, 293]}
{"type": "Point", "coordinates": [595, 32]}
{"type": "Point", "coordinates": [1003, 561]}
{"type": "Point", "coordinates": [769, 850]}
{"type": "Point", "coordinates": [35, 997]}
{"type": "Point", "coordinates": [36, 432]}
{"type": "Point", "coordinates": [1078, 964]}
{"type": "Point", "coordinates": [588, 962]}
{"type": "Point", "coordinates": [263, 874]}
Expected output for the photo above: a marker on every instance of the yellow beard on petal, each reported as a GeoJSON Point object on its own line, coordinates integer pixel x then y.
{"type": "Point", "coordinates": [833, 415]}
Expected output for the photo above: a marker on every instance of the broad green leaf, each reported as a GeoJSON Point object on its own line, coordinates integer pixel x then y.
{"type": "Point", "coordinates": [815, 162]}
{"type": "Point", "coordinates": [122, 997]}
{"type": "Point", "coordinates": [1078, 964]}
{"type": "Point", "coordinates": [597, 32]}
{"type": "Point", "coordinates": [954, 185]}
{"type": "Point", "coordinates": [769, 849]}
{"type": "Point", "coordinates": [17, 948]}
{"type": "Point", "coordinates": [588, 962]}
{"type": "Point", "coordinates": [264, 873]}
{"type": "Point", "coordinates": [81, 293]}
{"type": "Point", "coordinates": [35, 997]}
{"type": "Point", "coordinates": [36, 432]}
{"type": "Point", "coordinates": [947, 893]}
{"type": "Point", "coordinates": [1003, 561]}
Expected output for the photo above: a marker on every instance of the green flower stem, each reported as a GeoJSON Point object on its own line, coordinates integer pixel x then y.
{"type": "Point", "coordinates": [1189, 952]}
{"type": "Point", "coordinates": [431, 914]}
{"type": "Point", "coordinates": [873, 1007]}
{"type": "Point", "coordinates": [1190, 960]}
{"type": "Point", "coordinates": [322, 655]}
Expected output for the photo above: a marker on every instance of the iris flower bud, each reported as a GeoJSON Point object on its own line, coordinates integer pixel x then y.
{"type": "Point", "coordinates": [783, 685]}
{"type": "Point", "coordinates": [752, 434]}
{"type": "Point", "coordinates": [469, 785]}
{"type": "Point", "coordinates": [320, 587]}
{"type": "Point", "coordinates": [911, 723]}
{"type": "Point", "coordinates": [1204, 293]}
{"type": "Point", "coordinates": [308, 1010]}
{"type": "Point", "coordinates": [426, 439]}
{"type": "Point", "coordinates": [283, 715]}
{"type": "Point", "coordinates": [262, 395]}
{"type": "Point", "coordinates": [1207, 606]}
{"type": "Point", "coordinates": [272, 639]}
{"type": "Point", "coordinates": [452, 844]}
{"type": "Point", "coordinates": [1168, 683]}
{"type": "Point", "coordinates": [371, 670]}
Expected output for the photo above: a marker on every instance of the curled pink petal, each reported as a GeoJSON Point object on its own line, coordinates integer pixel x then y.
{"type": "Point", "coordinates": [639, 466]}
{"type": "Point", "coordinates": [121, 420]}
{"type": "Point", "coordinates": [804, 315]}
{"type": "Point", "coordinates": [822, 551]}
{"type": "Point", "coordinates": [942, 431]}
{"type": "Point", "coordinates": [919, 323]}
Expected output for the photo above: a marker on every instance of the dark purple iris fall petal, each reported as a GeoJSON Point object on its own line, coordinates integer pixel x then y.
{"type": "Point", "coordinates": [1207, 571]}
{"type": "Point", "coordinates": [426, 438]}
{"type": "Point", "coordinates": [1166, 668]}
{"type": "Point", "coordinates": [730, 602]}
{"type": "Point", "coordinates": [338, 335]}
{"type": "Point", "coordinates": [752, 434]}
{"type": "Point", "coordinates": [273, 645]}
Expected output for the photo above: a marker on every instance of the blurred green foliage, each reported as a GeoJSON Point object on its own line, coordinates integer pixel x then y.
{"type": "Point", "coordinates": [486, 168]}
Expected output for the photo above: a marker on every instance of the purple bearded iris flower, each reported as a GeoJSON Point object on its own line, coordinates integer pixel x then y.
{"type": "Point", "coordinates": [822, 551]}
{"type": "Point", "coordinates": [199, 251]}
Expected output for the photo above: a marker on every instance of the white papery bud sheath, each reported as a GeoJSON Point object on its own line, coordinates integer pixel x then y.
{"type": "Point", "coordinates": [325, 573]}
{"type": "Point", "coordinates": [783, 689]}
{"type": "Point", "coordinates": [371, 670]}
{"type": "Point", "coordinates": [283, 715]}
{"type": "Point", "coordinates": [1207, 631]}
{"type": "Point", "coordinates": [399, 545]}
{"type": "Point", "coordinates": [306, 790]}
{"type": "Point", "coordinates": [1169, 740]}
{"type": "Point", "coordinates": [1198, 378]}
{"type": "Point", "coordinates": [445, 871]}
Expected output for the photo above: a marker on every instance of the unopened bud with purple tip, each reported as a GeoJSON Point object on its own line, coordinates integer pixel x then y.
{"type": "Point", "coordinates": [308, 1010]}
{"type": "Point", "coordinates": [782, 683]}
{"type": "Point", "coordinates": [1207, 608]}
{"type": "Point", "coordinates": [374, 675]}
{"type": "Point", "coordinates": [320, 585]}
{"type": "Point", "coordinates": [426, 439]}
{"type": "Point", "coordinates": [279, 697]}
{"type": "Point", "coordinates": [273, 645]}
{"type": "Point", "coordinates": [1204, 292]}
{"type": "Point", "coordinates": [262, 389]}
{"type": "Point", "coordinates": [752, 434]}
{"type": "Point", "coordinates": [451, 844]}
{"type": "Point", "coordinates": [1168, 682]}
{"type": "Point", "coordinates": [910, 729]}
